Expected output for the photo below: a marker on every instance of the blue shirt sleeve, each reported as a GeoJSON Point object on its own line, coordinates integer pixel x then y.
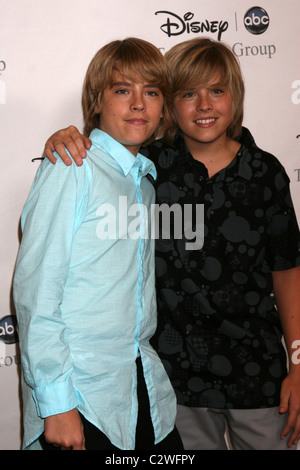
{"type": "Point", "coordinates": [50, 217]}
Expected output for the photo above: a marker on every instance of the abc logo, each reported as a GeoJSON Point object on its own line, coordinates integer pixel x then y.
{"type": "Point", "coordinates": [256, 20]}
{"type": "Point", "coordinates": [8, 329]}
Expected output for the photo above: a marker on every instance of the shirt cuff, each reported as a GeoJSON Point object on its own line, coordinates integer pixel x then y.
{"type": "Point", "coordinates": [55, 398]}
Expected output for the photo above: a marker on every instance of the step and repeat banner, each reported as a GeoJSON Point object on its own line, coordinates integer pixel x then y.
{"type": "Point", "coordinates": [45, 48]}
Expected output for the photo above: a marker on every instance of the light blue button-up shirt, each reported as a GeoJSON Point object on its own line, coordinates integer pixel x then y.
{"type": "Point", "coordinates": [84, 292]}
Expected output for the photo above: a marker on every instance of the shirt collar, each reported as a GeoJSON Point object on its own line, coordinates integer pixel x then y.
{"type": "Point", "coordinates": [121, 155]}
{"type": "Point", "coordinates": [241, 168]}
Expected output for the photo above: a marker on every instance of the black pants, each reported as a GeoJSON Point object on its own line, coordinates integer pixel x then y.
{"type": "Point", "coordinates": [97, 440]}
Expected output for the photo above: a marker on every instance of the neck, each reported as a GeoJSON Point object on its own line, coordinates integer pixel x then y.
{"type": "Point", "coordinates": [214, 155]}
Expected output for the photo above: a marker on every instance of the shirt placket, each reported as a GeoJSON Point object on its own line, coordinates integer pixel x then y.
{"type": "Point", "coordinates": [141, 255]}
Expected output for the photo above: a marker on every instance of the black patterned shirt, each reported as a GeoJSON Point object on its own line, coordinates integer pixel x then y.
{"type": "Point", "coordinates": [219, 334]}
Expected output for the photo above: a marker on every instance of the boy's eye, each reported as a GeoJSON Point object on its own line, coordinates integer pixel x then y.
{"type": "Point", "coordinates": [121, 91]}
{"type": "Point", "coordinates": [217, 91]}
{"type": "Point", "coordinates": [188, 94]}
{"type": "Point", "coordinates": [152, 93]}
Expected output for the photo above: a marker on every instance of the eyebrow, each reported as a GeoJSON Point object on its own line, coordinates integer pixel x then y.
{"type": "Point", "coordinates": [218, 84]}
{"type": "Point", "coordinates": [130, 84]}
{"type": "Point", "coordinates": [207, 85]}
{"type": "Point", "coordinates": [121, 84]}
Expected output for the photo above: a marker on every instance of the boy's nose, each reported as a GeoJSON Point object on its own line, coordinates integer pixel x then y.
{"type": "Point", "coordinates": [204, 104]}
{"type": "Point", "coordinates": [138, 103]}
{"type": "Point", "coordinates": [139, 107]}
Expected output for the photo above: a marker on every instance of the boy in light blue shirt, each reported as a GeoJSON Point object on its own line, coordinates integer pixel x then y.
{"type": "Point", "coordinates": [84, 286]}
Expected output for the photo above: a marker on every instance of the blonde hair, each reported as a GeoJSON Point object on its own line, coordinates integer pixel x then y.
{"type": "Point", "coordinates": [133, 58]}
{"type": "Point", "coordinates": [194, 63]}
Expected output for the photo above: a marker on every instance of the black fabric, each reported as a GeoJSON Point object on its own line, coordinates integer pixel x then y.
{"type": "Point", "coordinates": [219, 333]}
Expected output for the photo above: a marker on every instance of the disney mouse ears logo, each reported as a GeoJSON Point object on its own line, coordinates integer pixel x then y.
{"type": "Point", "coordinates": [175, 25]}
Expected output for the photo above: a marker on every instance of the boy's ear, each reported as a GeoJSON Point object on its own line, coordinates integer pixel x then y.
{"type": "Point", "coordinates": [162, 112]}
{"type": "Point", "coordinates": [97, 109]}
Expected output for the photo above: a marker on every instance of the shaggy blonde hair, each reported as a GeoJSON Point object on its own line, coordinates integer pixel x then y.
{"type": "Point", "coordinates": [195, 63]}
{"type": "Point", "coordinates": [133, 58]}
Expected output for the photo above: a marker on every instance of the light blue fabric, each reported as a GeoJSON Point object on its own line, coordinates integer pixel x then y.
{"type": "Point", "coordinates": [86, 306]}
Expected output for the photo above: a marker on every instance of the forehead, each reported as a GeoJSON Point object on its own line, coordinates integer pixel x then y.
{"type": "Point", "coordinates": [213, 81]}
{"type": "Point", "coordinates": [205, 72]}
{"type": "Point", "coordinates": [131, 78]}
{"type": "Point", "coordinates": [118, 76]}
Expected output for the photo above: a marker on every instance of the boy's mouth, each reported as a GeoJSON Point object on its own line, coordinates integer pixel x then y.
{"type": "Point", "coordinates": [206, 121]}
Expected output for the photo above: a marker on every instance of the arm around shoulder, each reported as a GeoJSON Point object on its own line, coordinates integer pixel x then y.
{"type": "Point", "coordinates": [69, 138]}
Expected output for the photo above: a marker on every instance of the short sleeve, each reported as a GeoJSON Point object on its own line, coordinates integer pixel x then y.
{"type": "Point", "coordinates": [283, 247]}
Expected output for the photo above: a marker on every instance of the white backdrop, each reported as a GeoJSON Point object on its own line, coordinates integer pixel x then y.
{"type": "Point", "coordinates": [45, 48]}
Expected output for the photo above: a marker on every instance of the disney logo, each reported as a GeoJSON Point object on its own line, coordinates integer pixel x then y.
{"type": "Point", "coordinates": [175, 25]}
